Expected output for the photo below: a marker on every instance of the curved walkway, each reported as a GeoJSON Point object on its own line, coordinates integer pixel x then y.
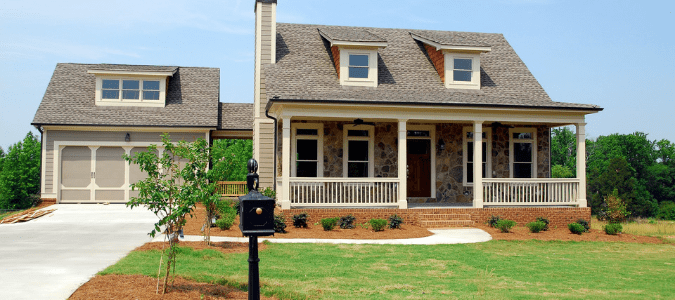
{"type": "Point", "coordinates": [440, 237]}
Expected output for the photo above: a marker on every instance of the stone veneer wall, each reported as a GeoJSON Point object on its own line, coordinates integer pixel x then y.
{"type": "Point", "coordinates": [449, 167]}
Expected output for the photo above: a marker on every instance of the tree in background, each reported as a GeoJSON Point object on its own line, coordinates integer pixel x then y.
{"type": "Point", "coordinates": [563, 153]}
{"type": "Point", "coordinates": [20, 174]}
{"type": "Point", "coordinates": [229, 159]}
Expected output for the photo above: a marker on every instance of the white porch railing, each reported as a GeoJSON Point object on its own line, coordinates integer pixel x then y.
{"type": "Point", "coordinates": [535, 191]}
{"type": "Point", "coordinates": [343, 191]}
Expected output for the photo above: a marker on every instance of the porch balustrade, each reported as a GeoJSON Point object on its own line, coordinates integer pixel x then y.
{"type": "Point", "coordinates": [231, 188]}
{"type": "Point", "coordinates": [344, 191]}
{"type": "Point", "coordinates": [535, 191]}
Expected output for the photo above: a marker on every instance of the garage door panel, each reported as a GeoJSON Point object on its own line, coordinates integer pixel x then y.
{"type": "Point", "coordinates": [75, 195]}
{"type": "Point", "coordinates": [103, 195]}
{"type": "Point", "coordinates": [135, 173]}
{"type": "Point", "coordinates": [110, 169]}
{"type": "Point", "coordinates": [76, 166]}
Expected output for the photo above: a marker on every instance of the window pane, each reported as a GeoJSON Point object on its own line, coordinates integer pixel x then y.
{"type": "Point", "coordinates": [357, 133]}
{"type": "Point", "coordinates": [130, 84]}
{"type": "Point", "coordinates": [357, 169]}
{"type": "Point", "coordinates": [151, 85]}
{"type": "Point", "coordinates": [521, 170]}
{"type": "Point", "coordinates": [462, 64]}
{"type": "Point", "coordinates": [130, 94]}
{"type": "Point", "coordinates": [424, 133]}
{"type": "Point", "coordinates": [522, 135]}
{"type": "Point", "coordinates": [110, 94]}
{"type": "Point", "coordinates": [358, 60]}
{"type": "Point", "coordinates": [484, 152]}
{"type": "Point", "coordinates": [358, 151]}
{"type": "Point", "coordinates": [358, 72]}
{"type": "Point", "coordinates": [469, 173]}
{"type": "Point", "coordinates": [307, 132]}
{"type": "Point", "coordinates": [306, 169]}
{"type": "Point", "coordinates": [306, 149]}
{"type": "Point", "coordinates": [150, 95]}
{"type": "Point", "coordinates": [111, 84]}
{"type": "Point", "coordinates": [462, 75]}
{"type": "Point", "coordinates": [484, 170]}
{"type": "Point", "coordinates": [469, 151]}
{"type": "Point", "coordinates": [522, 152]}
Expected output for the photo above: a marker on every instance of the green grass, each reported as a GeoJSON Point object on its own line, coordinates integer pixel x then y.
{"type": "Point", "coordinates": [657, 228]}
{"type": "Point", "coordinates": [492, 270]}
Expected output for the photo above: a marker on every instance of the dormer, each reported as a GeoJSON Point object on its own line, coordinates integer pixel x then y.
{"type": "Point", "coordinates": [456, 58]}
{"type": "Point", "coordinates": [354, 55]}
{"type": "Point", "coordinates": [131, 88]}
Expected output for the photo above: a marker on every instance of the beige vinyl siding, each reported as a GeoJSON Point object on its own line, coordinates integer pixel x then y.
{"type": "Point", "coordinates": [266, 161]}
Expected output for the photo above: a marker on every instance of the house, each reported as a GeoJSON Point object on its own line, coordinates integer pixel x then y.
{"type": "Point", "coordinates": [346, 118]}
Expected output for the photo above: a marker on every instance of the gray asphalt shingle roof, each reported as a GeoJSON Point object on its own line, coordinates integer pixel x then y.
{"type": "Point", "coordinates": [304, 71]}
{"type": "Point", "coordinates": [349, 34]}
{"type": "Point", "coordinates": [449, 38]}
{"type": "Point", "coordinates": [191, 99]}
{"type": "Point", "coordinates": [236, 116]}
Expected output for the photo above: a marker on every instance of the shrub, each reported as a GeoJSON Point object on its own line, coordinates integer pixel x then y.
{"type": "Point", "coordinates": [613, 228]}
{"type": "Point", "coordinates": [347, 222]}
{"type": "Point", "coordinates": [584, 223]}
{"type": "Point", "coordinates": [268, 192]}
{"type": "Point", "coordinates": [576, 228]}
{"type": "Point", "coordinates": [225, 223]}
{"type": "Point", "coordinates": [505, 225]}
{"type": "Point", "coordinates": [536, 226]}
{"type": "Point", "coordinates": [300, 220]}
{"type": "Point", "coordinates": [545, 220]}
{"type": "Point", "coordinates": [615, 212]}
{"type": "Point", "coordinates": [378, 224]}
{"type": "Point", "coordinates": [329, 223]}
{"type": "Point", "coordinates": [395, 222]}
{"type": "Point", "coordinates": [666, 210]}
{"type": "Point", "coordinates": [492, 221]}
{"type": "Point", "coordinates": [227, 207]}
{"type": "Point", "coordinates": [280, 223]}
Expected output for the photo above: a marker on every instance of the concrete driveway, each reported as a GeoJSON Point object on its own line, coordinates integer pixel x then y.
{"type": "Point", "coordinates": [50, 257]}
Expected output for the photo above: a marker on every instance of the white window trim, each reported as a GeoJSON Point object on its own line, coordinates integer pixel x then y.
{"type": "Point", "coordinates": [129, 102]}
{"type": "Point", "coordinates": [371, 147]}
{"type": "Point", "coordinates": [450, 67]}
{"type": "Point", "coordinates": [465, 151]}
{"type": "Point", "coordinates": [372, 67]}
{"type": "Point", "coordinates": [432, 137]}
{"type": "Point", "coordinates": [319, 145]}
{"type": "Point", "coordinates": [533, 140]}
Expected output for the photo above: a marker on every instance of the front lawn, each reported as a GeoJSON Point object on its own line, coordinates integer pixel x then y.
{"type": "Point", "coordinates": [495, 270]}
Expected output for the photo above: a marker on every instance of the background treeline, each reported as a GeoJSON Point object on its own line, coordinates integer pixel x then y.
{"type": "Point", "coordinates": [641, 170]}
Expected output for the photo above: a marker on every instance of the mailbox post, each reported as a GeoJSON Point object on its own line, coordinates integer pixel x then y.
{"type": "Point", "coordinates": [256, 218]}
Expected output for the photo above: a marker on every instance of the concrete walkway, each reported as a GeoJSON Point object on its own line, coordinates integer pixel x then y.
{"type": "Point", "coordinates": [441, 236]}
{"type": "Point", "coordinates": [50, 257]}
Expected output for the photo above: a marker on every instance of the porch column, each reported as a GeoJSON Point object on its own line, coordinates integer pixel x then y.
{"type": "Point", "coordinates": [286, 164]}
{"type": "Point", "coordinates": [402, 165]}
{"type": "Point", "coordinates": [581, 164]}
{"type": "Point", "coordinates": [478, 164]}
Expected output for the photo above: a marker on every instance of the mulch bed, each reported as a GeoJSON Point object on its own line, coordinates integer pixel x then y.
{"type": "Point", "coordinates": [224, 247]}
{"type": "Point", "coordinates": [563, 234]}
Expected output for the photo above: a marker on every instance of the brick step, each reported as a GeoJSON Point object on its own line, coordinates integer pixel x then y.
{"type": "Point", "coordinates": [430, 217]}
{"type": "Point", "coordinates": [446, 223]}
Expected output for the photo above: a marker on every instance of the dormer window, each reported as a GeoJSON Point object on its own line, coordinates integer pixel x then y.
{"type": "Point", "coordinates": [462, 69]}
{"type": "Point", "coordinates": [358, 66]}
{"type": "Point", "coordinates": [131, 88]}
{"type": "Point", "coordinates": [140, 90]}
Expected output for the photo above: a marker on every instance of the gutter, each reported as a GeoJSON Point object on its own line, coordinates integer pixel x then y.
{"type": "Point", "coordinates": [274, 163]}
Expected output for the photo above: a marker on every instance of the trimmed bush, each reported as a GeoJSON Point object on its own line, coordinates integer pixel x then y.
{"type": "Point", "coordinates": [584, 223]}
{"type": "Point", "coordinates": [378, 224]}
{"type": "Point", "coordinates": [536, 226]}
{"type": "Point", "coordinates": [613, 228]}
{"type": "Point", "coordinates": [226, 222]}
{"type": "Point", "coordinates": [492, 221]}
{"type": "Point", "coordinates": [279, 223]}
{"type": "Point", "coordinates": [329, 223]}
{"type": "Point", "coordinates": [545, 220]}
{"type": "Point", "coordinates": [505, 225]}
{"type": "Point", "coordinates": [395, 222]}
{"type": "Point", "coordinates": [576, 228]}
{"type": "Point", "coordinates": [300, 220]}
{"type": "Point", "coordinates": [347, 222]}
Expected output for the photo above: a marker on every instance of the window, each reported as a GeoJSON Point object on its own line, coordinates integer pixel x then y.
{"type": "Point", "coordinates": [358, 147]}
{"type": "Point", "coordinates": [468, 157]}
{"type": "Point", "coordinates": [307, 148]}
{"type": "Point", "coordinates": [118, 91]}
{"type": "Point", "coordinates": [523, 152]}
{"type": "Point", "coordinates": [358, 67]}
{"type": "Point", "coordinates": [462, 70]}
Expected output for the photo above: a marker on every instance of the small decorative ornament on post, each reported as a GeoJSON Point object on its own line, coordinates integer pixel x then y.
{"type": "Point", "coordinates": [256, 213]}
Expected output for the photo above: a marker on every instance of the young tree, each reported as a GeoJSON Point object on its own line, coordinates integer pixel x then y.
{"type": "Point", "coordinates": [20, 174]}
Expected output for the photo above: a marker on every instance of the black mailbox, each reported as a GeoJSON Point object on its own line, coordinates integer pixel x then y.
{"type": "Point", "coordinates": [256, 211]}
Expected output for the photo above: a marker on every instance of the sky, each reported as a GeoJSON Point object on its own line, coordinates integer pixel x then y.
{"type": "Point", "coordinates": [615, 54]}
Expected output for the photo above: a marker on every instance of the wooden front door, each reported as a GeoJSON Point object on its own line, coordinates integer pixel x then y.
{"type": "Point", "coordinates": [419, 168]}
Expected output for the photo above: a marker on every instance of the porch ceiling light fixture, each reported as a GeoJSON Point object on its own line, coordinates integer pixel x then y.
{"type": "Point", "coordinates": [441, 144]}
{"type": "Point", "coordinates": [358, 122]}
{"type": "Point", "coordinates": [127, 138]}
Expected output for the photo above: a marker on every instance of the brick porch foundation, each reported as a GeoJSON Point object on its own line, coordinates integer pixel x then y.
{"type": "Point", "coordinates": [49, 200]}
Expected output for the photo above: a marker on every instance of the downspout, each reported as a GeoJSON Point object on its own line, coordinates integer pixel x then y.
{"type": "Point", "coordinates": [274, 163]}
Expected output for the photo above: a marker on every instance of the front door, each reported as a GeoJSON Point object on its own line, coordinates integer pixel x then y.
{"type": "Point", "coordinates": [419, 168]}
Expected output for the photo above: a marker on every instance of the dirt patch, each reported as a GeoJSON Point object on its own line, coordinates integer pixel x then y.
{"type": "Point", "coordinates": [224, 247]}
{"type": "Point", "coordinates": [144, 287]}
{"type": "Point", "coordinates": [563, 234]}
{"type": "Point", "coordinates": [194, 226]}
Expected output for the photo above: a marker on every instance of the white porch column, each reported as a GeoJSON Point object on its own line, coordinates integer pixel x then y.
{"type": "Point", "coordinates": [478, 164]}
{"type": "Point", "coordinates": [286, 164]}
{"type": "Point", "coordinates": [581, 164]}
{"type": "Point", "coordinates": [402, 165]}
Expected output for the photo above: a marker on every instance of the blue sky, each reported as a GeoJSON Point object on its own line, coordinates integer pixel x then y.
{"type": "Point", "coordinates": [616, 54]}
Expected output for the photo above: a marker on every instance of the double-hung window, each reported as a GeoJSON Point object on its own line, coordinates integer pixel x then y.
{"type": "Point", "coordinates": [130, 89]}
{"type": "Point", "coordinates": [358, 65]}
{"type": "Point", "coordinates": [486, 160]}
{"type": "Point", "coordinates": [359, 148]}
{"type": "Point", "coordinates": [523, 152]}
{"type": "Point", "coordinates": [307, 150]}
{"type": "Point", "coordinates": [462, 69]}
